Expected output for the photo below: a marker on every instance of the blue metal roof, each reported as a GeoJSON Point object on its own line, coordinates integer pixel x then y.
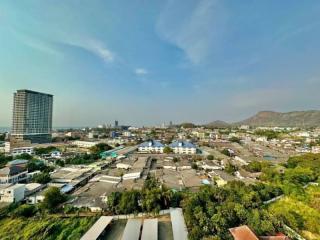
{"type": "Point", "coordinates": [151, 143]}
{"type": "Point", "coordinates": [182, 144]}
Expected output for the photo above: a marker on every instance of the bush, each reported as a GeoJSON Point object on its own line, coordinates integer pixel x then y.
{"type": "Point", "coordinates": [52, 199]}
{"type": "Point", "coordinates": [210, 157]}
{"type": "Point", "coordinates": [42, 178]}
{"type": "Point", "coordinates": [25, 211]}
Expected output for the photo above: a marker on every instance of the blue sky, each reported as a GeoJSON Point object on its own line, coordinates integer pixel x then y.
{"type": "Point", "coordinates": [147, 62]}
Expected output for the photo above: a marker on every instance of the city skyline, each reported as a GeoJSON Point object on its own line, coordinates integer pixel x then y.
{"type": "Point", "coordinates": [145, 63]}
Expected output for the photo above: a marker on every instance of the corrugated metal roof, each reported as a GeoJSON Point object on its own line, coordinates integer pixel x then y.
{"type": "Point", "coordinates": [182, 144]}
{"type": "Point", "coordinates": [179, 227]}
{"type": "Point", "coordinates": [132, 230]}
{"type": "Point", "coordinates": [150, 229]}
{"type": "Point", "coordinates": [95, 231]}
{"type": "Point", "coordinates": [151, 143]}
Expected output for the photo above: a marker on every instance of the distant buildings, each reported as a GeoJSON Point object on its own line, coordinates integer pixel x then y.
{"type": "Point", "coordinates": [178, 147]}
{"type": "Point", "coordinates": [32, 117]}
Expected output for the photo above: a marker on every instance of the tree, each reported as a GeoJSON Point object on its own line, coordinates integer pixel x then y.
{"type": "Point", "coordinates": [210, 157]}
{"type": "Point", "coordinates": [25, 211]}
{"type": "Point", "coordinates": [231, 169]}
{"type": "Point", "coordinates": [52, 199]}
{"type": "Point", "coordinates": [46, 150]}
{"type": "Point", "coordinates": [24, 156]}
{"type": "Point", "coordinates": [235, 139]}
{"type": "Point", "coordinates": [42, 178]}
{"type": "Point", "coordinates": [100, 147]}
{"type": "Point", "coordinates": [167, 150]}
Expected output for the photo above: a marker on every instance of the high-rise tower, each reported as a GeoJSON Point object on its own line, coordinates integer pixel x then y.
{"type": "Point", "coordinates": [32, 117]}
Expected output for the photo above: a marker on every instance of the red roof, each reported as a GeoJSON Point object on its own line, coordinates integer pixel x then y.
{"type": "Point", "coordinates": [243, 233]}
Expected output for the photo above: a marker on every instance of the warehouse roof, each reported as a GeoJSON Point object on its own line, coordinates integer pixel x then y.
{"type": "Point", "coordinates": [150, 229]}
{"type": "Point", "coordinates": [132, 230]}
{"type": "Point", "coordinates": [179, 227]}
{"type": "Point", "coordinates": [95, 231]}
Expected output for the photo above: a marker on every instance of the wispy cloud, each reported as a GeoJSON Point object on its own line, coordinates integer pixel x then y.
{"type": "Point", "coordinates": [141, 71]}
{"type": "Point", "coordinates": [37, 43]}
{"type": "Point", "coordinates": [195, 29]}
{"type": "Point", "coordinates": [95, 47]}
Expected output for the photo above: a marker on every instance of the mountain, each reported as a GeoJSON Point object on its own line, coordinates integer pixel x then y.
{"type": "Point", "coordinates": [288, 119]}
{"type": "Point", "coordinates": [218, 124]}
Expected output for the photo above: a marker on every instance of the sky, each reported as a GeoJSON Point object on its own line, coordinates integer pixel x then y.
{"type": "Point", "coordinates": [147, 62]}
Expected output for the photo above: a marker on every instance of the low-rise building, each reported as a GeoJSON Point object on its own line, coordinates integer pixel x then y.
{"type": "Point", "coordinates": [12, 193]}
{"type": "Point", "coordinates": [151, 146]}
{"type": "Point", "coordinates": [183, 147]}
{"type": "Point", "coordinates": [85, 144]}
{"type": "Point", "coordinates": [13, 174]}
{"type": "Point", "coordinates": [22, 150]}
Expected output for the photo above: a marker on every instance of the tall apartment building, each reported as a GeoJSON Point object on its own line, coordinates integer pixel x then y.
{"type": "Point", "coordinates": [32, 117]}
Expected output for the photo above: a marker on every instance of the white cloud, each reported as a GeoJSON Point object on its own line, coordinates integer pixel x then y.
{"type": "Point", "coordinates": [196, 29]}
{"type": "Point", "coordinates": [141, 71]}
{"type": "Point", "coordinates": [95, 47]}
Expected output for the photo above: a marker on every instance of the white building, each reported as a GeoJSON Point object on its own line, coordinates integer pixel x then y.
{"type": "Point", "coordinates": [13, 193]}
{"type": "Point", "coordinates": [183, 147]}
{"type": "Point", "coordinates": [151, 146]}
{"type": "Point", "coordinates": [13, 174]}
{"type": "Point", "coordinates": [56, 154]}
{"type": "Point", "coordinates": [21, 150]}
{"type": "Point", "coordinates": [85, 144]}
{"type": "Point", "coordinates": [7, 147]}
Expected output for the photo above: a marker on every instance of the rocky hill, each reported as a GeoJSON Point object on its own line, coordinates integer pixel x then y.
{"type": "Point", "coordinates": [290, 119]}
{"type": "Point", "coordinates": [218, 124]}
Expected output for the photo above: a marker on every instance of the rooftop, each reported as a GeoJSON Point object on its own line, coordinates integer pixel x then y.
{"type": "Point", "coordinates": [182, 144]}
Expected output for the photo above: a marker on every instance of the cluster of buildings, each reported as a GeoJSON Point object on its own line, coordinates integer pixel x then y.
{"type": "Point", "coordinates": [177, 147]}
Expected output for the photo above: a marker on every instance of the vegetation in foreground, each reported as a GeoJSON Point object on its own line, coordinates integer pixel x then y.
{"type": "Point", "coordinates": [45, 228]}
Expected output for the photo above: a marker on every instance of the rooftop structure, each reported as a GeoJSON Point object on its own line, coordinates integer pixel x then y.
{"type": "Point", "coordinates": [243, 233]}
{"type": "Point", "coordinates": [179, 227]}
{"type": "Point", "coordinates": [183, 147]}
{"type": "Point", "coordinates": [150, 229]}
{"type": "Point", "coordinates": [151, 146]}
{"type": "Point", "coordinates": [132, 230]}
{"type": "Point", "coordinates": [97, 229]}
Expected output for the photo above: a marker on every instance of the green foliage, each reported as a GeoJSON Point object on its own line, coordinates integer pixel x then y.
{"type": "Point", "coordinates": [300, 214]}
{"type": "Point", "coordinates": [99, 148]}
{"type": "Point", "coordinates": [226, 152]}
{"type": "Point", "coordinates": [167, 150]}
{"type": "Point", "coordinates": [194, 166]}
{"type": "Point", "coordinates": [46, 228]}
{"type": "Point", "coordinates": [270, 134]}
{"type": "Point", "coordinates": [46, 150]}
{"type": "Point", "coordinates": [257, 166]}
{"type": "Point", "coordinates": [42, 178]}
{"type": "Point", "coordinates": [210, 157]}
{"type": "Point", "coordinates": [25, 211]}
{"type": "Point", "coordinates": [24, 156]}
{"type": "Point", "coordinates": [37, 165]}
{"type": "Point", "coordinates": [83, 159]}
{"type": "Point", "coordinates": [152, 198]}
{"type": "Point", "coordinates": [235, 139]}
{"type": "Point", "coordinates": [213, 210]}
{"type": "Point", "coordinates": [231, 169]}
{"type": "Point", "coordinates": [2, 137]}
{"type": "Point", "coordinates": [4, 159]}
{"type": "Point", "coordinates": [52, 199]}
